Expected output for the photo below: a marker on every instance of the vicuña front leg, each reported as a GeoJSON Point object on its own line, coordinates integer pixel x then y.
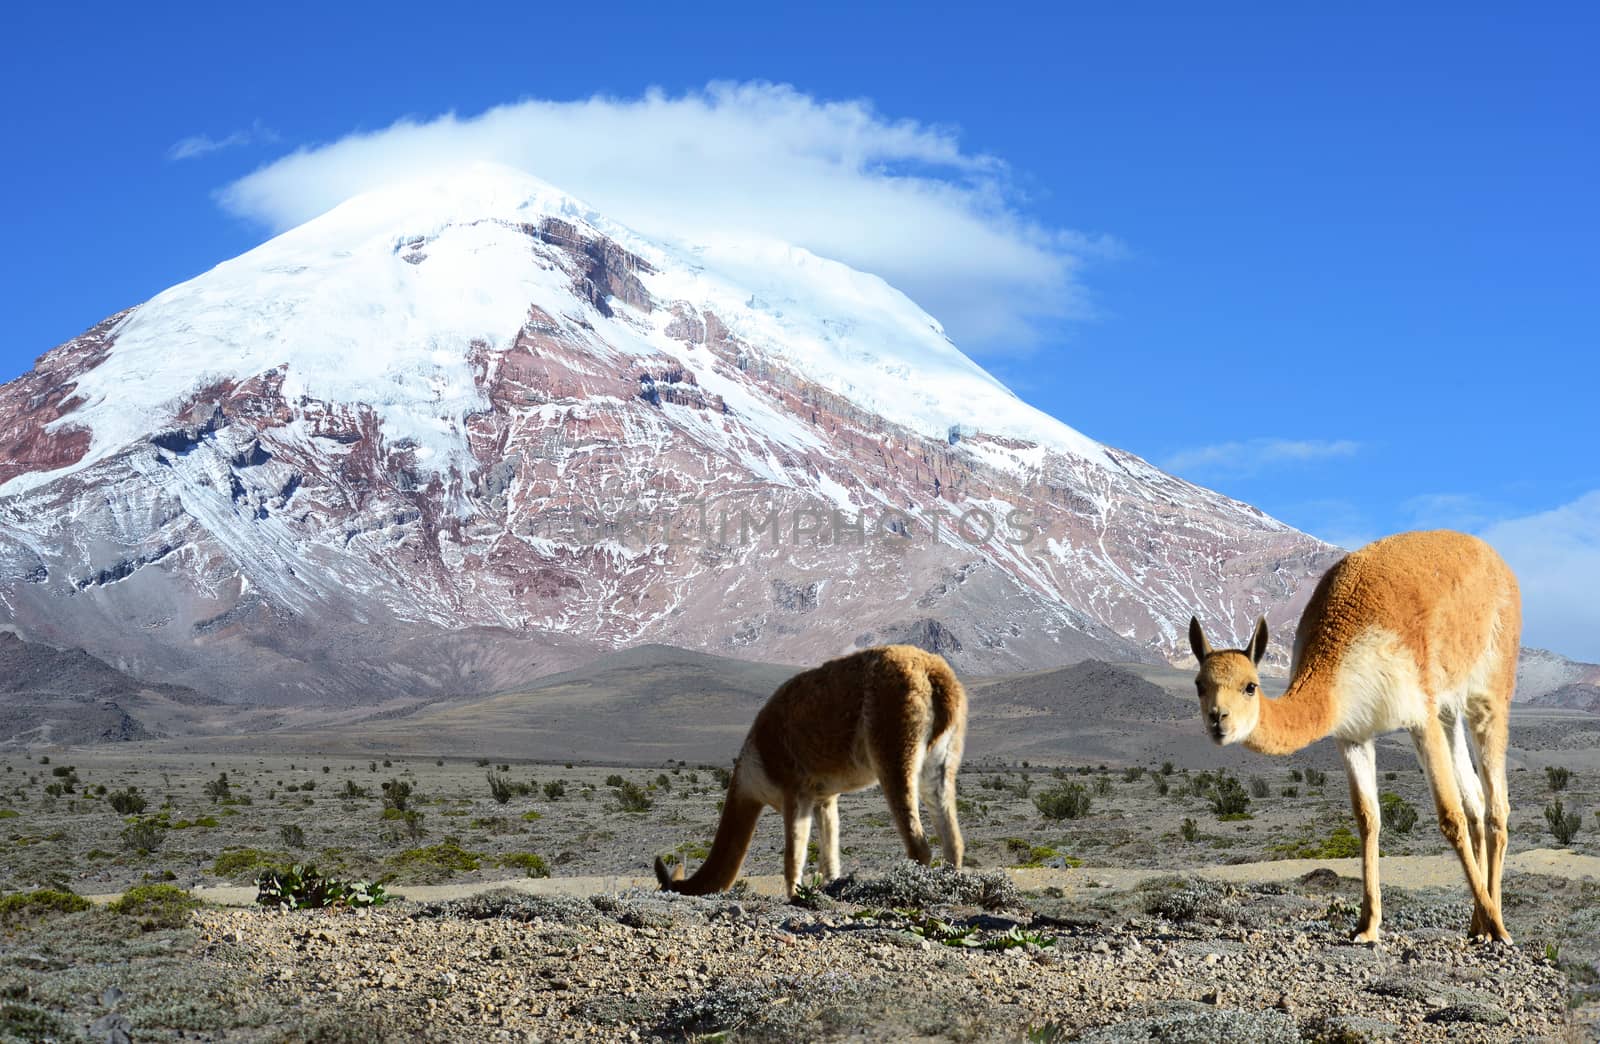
{"type": "Point", "coordinates": [1434, 746]}
{"type": "Point", "coordinates": [1361, 766]}
{"type": "Point", "coordinates": [797, 834]}
{"type": "Point", "coordinates": [828, 827]}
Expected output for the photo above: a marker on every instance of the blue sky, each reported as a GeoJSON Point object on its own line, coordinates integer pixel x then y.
{"type": "Point", "coordinates": [1342, 268]}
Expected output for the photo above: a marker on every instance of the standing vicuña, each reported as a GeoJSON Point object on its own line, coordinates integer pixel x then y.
{"type": "Point", "coordinates": [1418, 631]}
{"type": "Point", "coordinates": [893, 715]}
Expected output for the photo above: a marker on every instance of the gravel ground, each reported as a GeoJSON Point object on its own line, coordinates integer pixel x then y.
{"type": "Point", "coordinates": [1177, 960]}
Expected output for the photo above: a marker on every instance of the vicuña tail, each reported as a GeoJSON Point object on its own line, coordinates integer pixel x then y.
{"type": "Point", "coordinates": [721, 868]}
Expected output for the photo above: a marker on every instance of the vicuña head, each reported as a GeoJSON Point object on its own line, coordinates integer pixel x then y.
{"type": "Point", "coordinates": [1417, 631]}
{"type": "Point", "coordinates": [1229, 687]}
{"type": "Point", "coordinates": [893, 715]}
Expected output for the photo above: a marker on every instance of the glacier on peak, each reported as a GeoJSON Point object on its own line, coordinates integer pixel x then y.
{"type": "Point", "coordinates": [342, 309]}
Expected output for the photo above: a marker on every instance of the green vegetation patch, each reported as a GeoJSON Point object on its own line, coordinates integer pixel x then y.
{"type": "Point", "coordinates": [27, 906]}
{"type": "Point", "coordinates": [1031, 856]}
{"type": "Point", "coordinates": [445, 858]}
{"type": "Point", "coordinates": [156, 906]}
{"type": "Point", "coordinates": [1341, 844]}
{"type": "Point", "coordinates": [533, 865]}
{"type": "Point", "coordinates": [235, 861]}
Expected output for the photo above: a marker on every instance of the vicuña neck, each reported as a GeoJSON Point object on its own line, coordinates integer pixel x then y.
{"type": "Point", "coordinates": [1298, 718]}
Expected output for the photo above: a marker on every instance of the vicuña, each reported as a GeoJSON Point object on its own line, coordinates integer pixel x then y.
{"type": "Point", "coordinates": [893, 715]}
{"type": "Point", "coordinates": [1417, 631]}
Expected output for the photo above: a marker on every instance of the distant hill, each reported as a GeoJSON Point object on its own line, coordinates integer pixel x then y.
{"type": "Point", "coordinates": [50, 695]}
{"type": "Point", "coordinates": [1574, 697]}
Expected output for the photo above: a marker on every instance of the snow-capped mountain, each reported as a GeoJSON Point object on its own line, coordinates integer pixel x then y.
{"type": "Point", "coordinates": [460, 430]}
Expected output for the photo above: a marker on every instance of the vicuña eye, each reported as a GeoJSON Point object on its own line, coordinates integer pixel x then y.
{"type": "Point", "coordinates": [1250, 688]}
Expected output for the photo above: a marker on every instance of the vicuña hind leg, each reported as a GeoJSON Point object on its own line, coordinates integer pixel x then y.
{"type": "Point", "coordinates": [1490, 734]}
{"type": "Point", "coordinates": [1434, 746]}
{"type": "Point", "coordinates": [1471, 791]}
{"type": "Point", "coordinates": [1361, 766]}
{"type": "Point", "coordinates": [941, 777]}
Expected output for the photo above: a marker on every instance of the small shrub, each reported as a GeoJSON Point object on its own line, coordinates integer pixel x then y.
{"type": "Point", "coordinates": [1397, 813]}
{"type": "Point", "coordinates": [1557, 776]}
{"type": "Point", "coordinates": [614, 780]}
{"type": "Point", "coordinates": [531, 815]}
{"type": "Point", "coordinates": [631, 797]}
{"type": "Point", "coordinates": [217, 789]}
{"type": "Point", "coordinates": [722, 776]}
{"type": "Point", "coordinates": [1166, 768]}
{"type": "Point", "coordinates": [1315, 777]}
{"type": "Point", "coordinates": [352, 792]}
{"type": "Point", "coordinates": [156, 906]}
{"type": "Point", "coordinates": [1289, 792]}
{"type": "Point", "coordinates": [1295, 776]}
{"type": "Point", "coordinates": [1189, 830]}
{"type": "Point", "coordinates": [1563, 824]}
{"type": "Point", "coordinates": [1259, 788]}
{"type": "Point", "coordinates": [1162, 786]}
{"type": "Point", "coordinates": [555, 790]}
{"type": "Point", "coordinates": [1133, 775]}
{"type": "Point", "coordinates": [292, 835]}
{"type": "Point", "coordinates": [127, 802]}
{"type": "Point", "coordinates": [143, 836]}
{"type": "Point", "coordinates": [1228, 797]}
{"type": "Point", "coordinates": [1063, 801]}
{"type": "Point", "coordinates": [500, 787]}
{"type": "Point", "coordinates": [396, 794]}
{"type": "Point", "coordinates": [1102, 785]}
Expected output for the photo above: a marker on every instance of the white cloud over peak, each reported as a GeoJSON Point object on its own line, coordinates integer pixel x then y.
{"type": "Point", "coordinates": [197, 145]}
{"type": "Point", "coordinates": [1556, 556]}
{"type": "Point", "coordinates": [898, 198]}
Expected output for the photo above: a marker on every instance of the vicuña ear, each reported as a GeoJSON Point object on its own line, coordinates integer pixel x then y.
{"type": "Point", "coordinates": [1197, 640]}
{"type": "Point", "coordinates": [1258, 642]}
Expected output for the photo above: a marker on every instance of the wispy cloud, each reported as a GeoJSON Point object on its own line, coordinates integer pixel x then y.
{"type": "Point", "coordinates": [203, 144]}
{"type": "Point", "coordinates": [896, 197]}
{"type": "Point", "coordinates": [1465, 511]}
{"type": "Point", "coordinates": [1252, 456]}
{"type": "Point", "coordinates": [1556, 556]}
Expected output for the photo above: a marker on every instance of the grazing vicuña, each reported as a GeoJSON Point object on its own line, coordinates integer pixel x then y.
{"type": "Point", "coordinates": [893, 715]}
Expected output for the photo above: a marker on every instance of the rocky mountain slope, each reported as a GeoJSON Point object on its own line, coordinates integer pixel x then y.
{"type": "Point", "coordinates": [1552, 680]}
{"type": "Point", "coordinates": [66, 696]}
{"type": "Point", "coordinates": [460, 432]}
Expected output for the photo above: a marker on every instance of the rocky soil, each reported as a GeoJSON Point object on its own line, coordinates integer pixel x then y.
{"type": "Point", "coordinates": [1176, 960]}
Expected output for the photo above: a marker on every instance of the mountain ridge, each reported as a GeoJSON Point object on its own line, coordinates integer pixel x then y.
{"type": "Point", "coordinates": [478, 407]}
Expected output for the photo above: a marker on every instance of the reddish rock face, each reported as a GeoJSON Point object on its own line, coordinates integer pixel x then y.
{"type": "Point", "coordinates": [259, 544]}
{"type": "Point", "coordinates": [33, 436]}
